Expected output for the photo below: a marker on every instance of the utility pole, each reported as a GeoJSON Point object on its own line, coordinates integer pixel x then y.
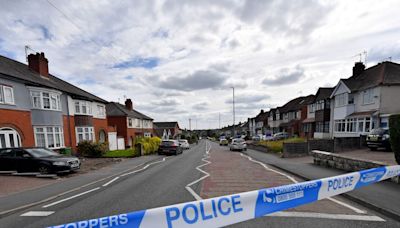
{"type": "Point", "coordinates": [233, 107]}
{"type": "Point", "coordinates": [219, 120]}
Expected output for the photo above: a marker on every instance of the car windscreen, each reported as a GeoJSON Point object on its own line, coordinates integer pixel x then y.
{"type": "Point", "coordinates": [41, 152]}
{"type": "Point", "coordinates": [167, 143]}
{"type": "Point", "coordinates": [377, 131]}
{"type": "Point", "coordinates": [183, 141]}
{"type": "Point", "coordinates": [238, 140]}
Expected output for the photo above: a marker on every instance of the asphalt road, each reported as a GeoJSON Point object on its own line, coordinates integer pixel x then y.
{"type": "Point", "coordinates": [159, 182]}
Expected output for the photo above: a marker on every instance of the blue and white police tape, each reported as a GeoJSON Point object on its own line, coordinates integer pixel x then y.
{"type": "Point", "coordinates": [231, 209]}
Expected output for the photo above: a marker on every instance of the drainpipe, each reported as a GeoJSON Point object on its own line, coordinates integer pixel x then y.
{"type": "Point", "coordinates": [69, 124]}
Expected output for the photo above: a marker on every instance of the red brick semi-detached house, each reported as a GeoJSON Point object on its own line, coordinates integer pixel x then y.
{"type": "Point", "coordinates": [167, 130]}
{"type": "Point", "coordinates": [40, 109]}
{"type": "Point", "coordinates": [128, 122]}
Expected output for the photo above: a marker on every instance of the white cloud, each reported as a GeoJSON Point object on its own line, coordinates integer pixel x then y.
{"type": "Point", "coordinates": [199, 49]}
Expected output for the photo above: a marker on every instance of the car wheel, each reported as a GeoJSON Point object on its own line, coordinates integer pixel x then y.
{"type": "Point", "coordinates": [44, 169]}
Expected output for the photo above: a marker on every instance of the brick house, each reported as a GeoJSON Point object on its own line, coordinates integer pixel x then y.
{"type": "Point", "coordinates": [167, 130]}
{"type": "Point", "coordinates": [319, 113]}
{"type": "Point", "coordinates": [365, 100]}
{"type": "Point", "coordinates": [292, 115]}
{"type": "Point", "coordinates": [40, 109]}
{"type": "Point", "coordinates": [128, 122]}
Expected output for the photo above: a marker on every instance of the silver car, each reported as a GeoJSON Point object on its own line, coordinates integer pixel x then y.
{"type": "Point", "coordinates": [238, 144]}
{"type": "Point", "coordinates": [184, 144]}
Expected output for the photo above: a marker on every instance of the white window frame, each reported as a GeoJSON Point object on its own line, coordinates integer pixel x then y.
{"type": "Point", "coordinates": [8, 135]}
{"type": "Point", "coordinates": [101, 110]}
{"type": "Point", "coordinates": [56, 134]}
{"type": "Point", "coordinates": [340, 100]}
{"type": "Point", "coordinates": [3, 98]}
{"type": "Point", "coordinates": [368, 96]}
{"type": "Point", "coordinates": [130, 122]}
{"type": "Point", "coordinates": [81, 104]}
{"type": "Point", "coordinates": [87, 134]}
{"type": "Point", "coordinates": [52, 95]}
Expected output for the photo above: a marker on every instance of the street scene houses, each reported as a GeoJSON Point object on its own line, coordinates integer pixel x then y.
{"type": "Point", "coordinates": [352, 108]}
{"type": "Point", "coordinates": [38, 109]}
{"type": "Point", "coordinates": [167, 130]}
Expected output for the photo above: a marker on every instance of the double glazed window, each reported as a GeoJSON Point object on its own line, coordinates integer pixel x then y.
{"type": "Point", "coordinates": [83, 108]}
{"type": "Point", "coordinates": [49, 137]}
{"type": "Point", "coordinates": [353, 125]}
{"type": "Point", "coordinates": [84, 134]}
{"type": "Point", "coordinates": [6, 95]}
{"type": "Point", "coordinates": [46, 100]}
{"type": "Point", "coordinates": [101, 111]}
{"type": "Point", "coordinates": [368, 96]}
{"type": "Point", "coordinates": [340, 100]}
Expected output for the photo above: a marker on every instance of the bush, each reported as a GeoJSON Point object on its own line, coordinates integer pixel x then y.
{"type": "Point", "coordinates": [121, 153]}
{"type": "Point", "coordinates": [150, 145]}
{"type": "Point", "coordinates": [277, 146]}
{"type": "Point", "coordinates": [92, 149]}
{"type": "Point", "coordinates": [394, 124]}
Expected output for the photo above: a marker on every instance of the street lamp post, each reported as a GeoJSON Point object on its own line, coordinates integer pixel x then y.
{"type": "Point", "coordinates": [233, 107]}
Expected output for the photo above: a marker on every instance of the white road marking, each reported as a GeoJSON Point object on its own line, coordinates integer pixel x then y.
{"type": "Point", "coordinates": [116, 178]}
{"type": "Point", "coordinates": [38, 213]}
{"type": "Point", "coordinates": [327, 216]}
{"type": "Point", "coordinates": [72, 197]}
{"type": "Point", "coordinates": [147, 166]}
{"type": "Point", "coordinates": [206, 156]}
{"type": "Point", "coordinates": [359, 211]}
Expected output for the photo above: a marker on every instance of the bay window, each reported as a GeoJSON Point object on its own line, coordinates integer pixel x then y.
{"type": "Point", "coordinates": [84, 134]}
{"type": "Point", "coordinates": [46, 100]}
{"type": "Point", "coordinates": [6, 95]}
{"type": "Point", "coordinates": [49, 137]}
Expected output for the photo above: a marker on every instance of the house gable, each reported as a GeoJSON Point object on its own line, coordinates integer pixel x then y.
{"type": "Point", "coordinates": [340, 88]}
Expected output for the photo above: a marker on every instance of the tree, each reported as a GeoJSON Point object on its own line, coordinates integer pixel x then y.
{"type": "Point", "coordinates": [394, 123]}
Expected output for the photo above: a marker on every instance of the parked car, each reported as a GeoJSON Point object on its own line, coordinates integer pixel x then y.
{"type": "Point", "coordinates": [268, 137]}
{"type": "Point", "coordinates": [36, 159]}
{"type": "Point", "coordinates": [280, 136]}
{"type": "Point", "coordinates": [184, 144]}
{"type": "Point", "coordinates": [238, 144]}
{"type": "Point", "coordinates": [256, 138]}
{"type": "Point", "coordinates": [378, 138]}
{"type": "Point", "coordinates": [169, 147]}
{"type": "Point", "coordinates": [223, 142]}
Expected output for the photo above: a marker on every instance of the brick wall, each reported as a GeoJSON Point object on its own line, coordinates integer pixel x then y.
{"type": "Point", "coordinates": [98, 125]}
{"type": "Point", "coordinates": [19, 121]}
{"type": "Point", "coordinates": [321, 144]}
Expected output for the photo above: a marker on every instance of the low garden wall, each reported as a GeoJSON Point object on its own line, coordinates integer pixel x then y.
{"type": "Point", "coordinates": [291, 150]}
{"type": "Point", "coordinates": [342, 162]}
{"type": "Point", "coordinates": [257, 147]}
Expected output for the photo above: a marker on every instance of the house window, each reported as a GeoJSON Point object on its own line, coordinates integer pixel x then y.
{"type": "Point", "coordinates": [340, 100]}
{"type": "Point", "coordinates": [101, 111]}
{"type": "Point", "coordinates": [130, 122]}
{"type": "Point", "coordinates": [49, 137]}
{"type": "Point", "coordinates": [137, 122]}
{"type": "Point", "coordinates": [340, 125]}
{"type": "Point", "coordinates": [83, 108]}
{"type": "Point", "coordinates": [6, 95]}
{"type": "Point", "coordinates": [351, 99]}
{"type": "Point", "coordinates": [147, 134]}
{"type": "Point", "coordinates": [46, 100]}
{"type": "Point", "coordinates": [9, 138]}
{"type": "Point", "coordinates": [367, 124]}
{"type": "Point", "coordinates": [351, 125]}
{"type": "Point", "coordinates": [368, 96]}
{"type": "Point", "coordinates": [84, 134]}
{"type": "Point", "coordinates": [360, 124]}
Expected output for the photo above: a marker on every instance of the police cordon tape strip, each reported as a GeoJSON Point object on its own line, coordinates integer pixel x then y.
{"type": "Point", "coordinates": [231, 209]}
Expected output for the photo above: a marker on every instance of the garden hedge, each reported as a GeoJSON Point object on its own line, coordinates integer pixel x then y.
{"type": "Point", "coordinates": [394, 124]}
{"type": "Point", "coordinates": [150, 145]}
{"type": "Point", "coordinates": [92, 149]}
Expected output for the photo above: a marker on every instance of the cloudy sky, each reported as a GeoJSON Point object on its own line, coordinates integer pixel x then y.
{"type": "Point", "coordinates": [179, 59]}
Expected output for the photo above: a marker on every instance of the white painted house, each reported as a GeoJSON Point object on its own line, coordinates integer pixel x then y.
{"type": "Point", "coordinates": [365, 100]}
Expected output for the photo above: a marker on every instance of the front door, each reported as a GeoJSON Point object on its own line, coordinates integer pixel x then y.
{"type": "Point", "coordinates": [9, 138]}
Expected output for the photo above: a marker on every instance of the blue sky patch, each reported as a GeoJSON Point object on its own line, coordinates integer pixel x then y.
{"type": "Point", "coordinates": [139, 62]}
{"type": "Point", "coordinates": [45, 32]}
{"type": "Point", "coordinates": [129, 77]}
{"type": "Point", "coordinates": [161, 33]}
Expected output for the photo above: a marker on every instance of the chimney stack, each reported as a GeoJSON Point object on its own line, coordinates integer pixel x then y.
{"type": "Point", "coordinates": [128, 104]}
{"type": "Point", "coordinates": [358, 68]}
{"type": "Point", "coordinates": [39, 63]}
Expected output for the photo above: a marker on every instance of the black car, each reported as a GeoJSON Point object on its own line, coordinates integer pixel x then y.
{"type": "Point", "coordinates": [36, 160]}
{"type": "Point", "coordinates": [169, 147]}
{"type": "Point", "coordinates": [379, 138]}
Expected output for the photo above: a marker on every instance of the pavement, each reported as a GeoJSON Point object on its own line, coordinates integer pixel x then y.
{"type": "Point", "coordinates": [379, 197]}
{"type": "Point", "coordinates": [155, 181]}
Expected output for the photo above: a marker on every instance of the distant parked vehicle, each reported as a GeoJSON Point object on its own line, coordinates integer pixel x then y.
{"type": "Point", "coordinates": [280, 136]}
{"type": "Point", "coordinates": [268, 138]}
{"type": "Point", "coordinates": [238, 144]}
{"type": "Point", "coordinates": [36, 159]}
{"type": "Point", "coordinates": [184, 144]}
{"type": "Point", "coordinates": [256, 138]}
{"type": "Point", "coordinates": [379, 138]}
{"type": "Point", "coordinates": [223, 142]}
{"type": "Point", "coordinates": [170, 147]}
